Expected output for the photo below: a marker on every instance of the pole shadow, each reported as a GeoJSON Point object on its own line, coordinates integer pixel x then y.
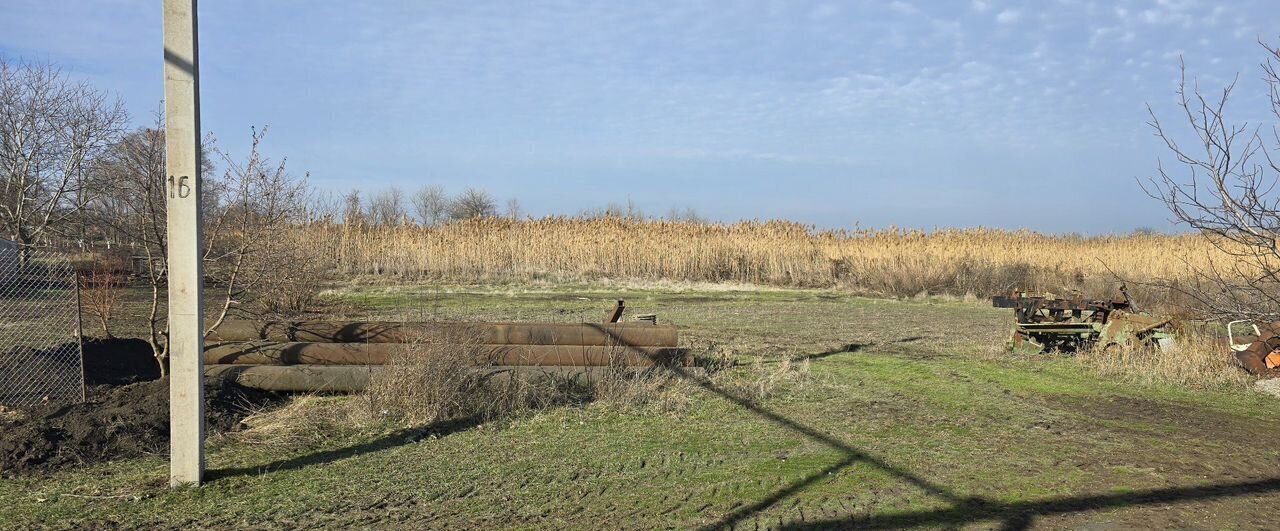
{"type": "Point", "coordinates": [962, 509]}
{"type": "Point", "coordinates": [388, 441]}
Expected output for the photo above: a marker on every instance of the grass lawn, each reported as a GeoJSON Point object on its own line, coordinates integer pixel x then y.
{"type": "Point", "coordinates": [906, 416]}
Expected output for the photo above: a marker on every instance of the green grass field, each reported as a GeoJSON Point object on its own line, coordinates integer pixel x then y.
{"type": "Point", "coordinates": [893, 414]}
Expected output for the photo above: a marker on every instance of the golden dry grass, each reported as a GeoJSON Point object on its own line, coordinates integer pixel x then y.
{"type": "Point", "coordinates": [888, 262]}
{"type": "Point", "coordinates": [1199, 361]}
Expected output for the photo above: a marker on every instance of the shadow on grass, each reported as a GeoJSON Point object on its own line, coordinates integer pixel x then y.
{"type": "Point", "coordinates": [963, 509]}
{"type": "Point", "coordinates": [384, 442]}
{"type": "Point", "coordinates": [848, 348]}
{"type": "Point", "coordinates": [1020, 515]}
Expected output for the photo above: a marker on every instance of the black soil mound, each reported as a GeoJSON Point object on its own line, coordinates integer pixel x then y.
{"type": "Point", "coordinates": [118, 361]}
{"type": "Point", "coordinates": [116, 422]}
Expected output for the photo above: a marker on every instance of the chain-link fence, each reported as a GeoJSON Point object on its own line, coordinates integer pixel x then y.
{"type": "Point", "coordinates": [40, 353]}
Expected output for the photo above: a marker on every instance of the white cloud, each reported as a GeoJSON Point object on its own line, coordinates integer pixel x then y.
{"type": "Point", "coordinates": [981, 5]}
{"type": "Point", "coordinates": [903, 7]}
{"type": "Point", "coordinates": [1009, 16]}
{"type": "Point", "coordinates": [825, 11]}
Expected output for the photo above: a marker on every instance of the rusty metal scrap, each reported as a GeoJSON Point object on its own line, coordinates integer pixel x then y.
{"type": "Point", "coordinates": [1258, 356]}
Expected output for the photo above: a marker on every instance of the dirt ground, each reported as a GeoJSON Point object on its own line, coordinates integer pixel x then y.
{"type": "Point", "coordinates": [126, 414]}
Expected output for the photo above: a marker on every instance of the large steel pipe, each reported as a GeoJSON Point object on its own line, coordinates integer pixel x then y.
{"type": "Point", "coordinates": [354, 378]}
{"type": "Point", "coordinates": [296, 378]}
{"type": "Point", "coordinates": [297, 353]}
{"type": "Point", "coordinates": [589, 334]}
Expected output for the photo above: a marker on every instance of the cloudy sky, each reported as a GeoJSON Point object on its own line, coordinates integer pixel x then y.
{"type": "Point", "coordinates": [907, 113]}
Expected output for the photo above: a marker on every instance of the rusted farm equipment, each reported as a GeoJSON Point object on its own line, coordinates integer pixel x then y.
{"type": "Point", "coordinates": [1262, 353]}
{"type": "Point", "coordinates": [1044, 322]}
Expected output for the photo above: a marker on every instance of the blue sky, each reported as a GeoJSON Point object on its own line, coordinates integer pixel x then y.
{"type": "Point", "coordinates": [907, 113]}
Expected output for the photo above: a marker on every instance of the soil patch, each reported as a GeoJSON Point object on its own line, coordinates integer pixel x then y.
{"type": "Point", "coordinates": [116, 422]}
{"type": "Point", "coordinates": [118, 361]}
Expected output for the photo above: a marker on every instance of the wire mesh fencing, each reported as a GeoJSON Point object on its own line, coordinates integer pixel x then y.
{"type": "Point", "coordinates": [40, 349]}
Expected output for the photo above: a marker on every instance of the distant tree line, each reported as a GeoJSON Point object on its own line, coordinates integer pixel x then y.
{"type": "Point", "coordinates": [429, 206]}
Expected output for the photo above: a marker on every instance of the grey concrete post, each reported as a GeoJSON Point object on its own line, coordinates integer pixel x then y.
{"type": "Point", "coordinates": [186, 271]}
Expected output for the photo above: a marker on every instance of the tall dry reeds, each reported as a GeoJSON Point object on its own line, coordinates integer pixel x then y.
{"type": "Point", "coordinates": [889, 262]}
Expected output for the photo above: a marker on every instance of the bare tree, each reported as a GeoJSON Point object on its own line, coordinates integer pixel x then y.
{"type": "Point", "coordinates": [431, 204]}
{"type": "Point", "coordinates": [51, 131]}
{"type": "Point", "coordinates": [687, 214]}
{"type": "Point", "coordinates": [352, 208]}
{"type": "Point", "coordinates": [135, 209]}
{"type": "Point", "coordinates": [628, 211]}
{"type": "Point", "coordinates": [248, 254]}
{"type": "Point", "coordinates": [513, 208]}
{"type": "Point", "coordinates": [473, 203]}
{"type": "Point", "coordinates": [1224, 188]}
{"type": "Point", "coordinates": [324, 207]}
{"type": "Point", "coordinates": [386, 208]}
{"type": "Point", "coordinates": [249, 259]}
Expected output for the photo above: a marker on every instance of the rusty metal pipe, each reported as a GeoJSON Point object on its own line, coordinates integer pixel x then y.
{"type": "Point", "coordinates": [355, 378]}
{"type": "Point", "coordinates": [588, 334]}
{"type": "Point", "coordinates": [301, 353]}
{"type": "Point", "coordinates": [296, 378]}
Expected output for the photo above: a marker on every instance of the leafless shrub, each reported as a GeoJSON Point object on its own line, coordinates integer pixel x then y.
{"type": "Point", "coordinates": [100, 295]}
{"type": "Point", "coordinates": [623, 386]}
{"type": "Point", "coordinates": [428, 382]}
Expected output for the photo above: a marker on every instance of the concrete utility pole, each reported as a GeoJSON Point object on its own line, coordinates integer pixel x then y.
{"type": "Point", "coordinates": [186, 271]}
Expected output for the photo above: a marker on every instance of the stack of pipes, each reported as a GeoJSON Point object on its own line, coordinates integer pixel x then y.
{"type": "Point", "coordinates": [341, 356]}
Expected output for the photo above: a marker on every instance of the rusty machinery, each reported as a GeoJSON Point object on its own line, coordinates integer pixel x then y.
{"type": "Point", "coordinates": [1259, 352]}
{"type": "Point", "coordinates": [1044, 322]}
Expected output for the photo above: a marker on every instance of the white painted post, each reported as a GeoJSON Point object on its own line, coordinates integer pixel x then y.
{"type": "Point", "coordinates": [186, 271]}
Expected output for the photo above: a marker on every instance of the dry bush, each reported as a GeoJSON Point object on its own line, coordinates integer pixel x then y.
{"type": "Point", "coordinates": [892, 262]}
{"type": "Point", "coordinates": [303, 422]}
{"type": "Point", "coordinates": [434, 381]}
{"type": "Point", "coordinates": [764, 378]}
{"type": "Point", "coordinates": [654, 390]}
{"type": "Point", "coordinates": [1201, 360]}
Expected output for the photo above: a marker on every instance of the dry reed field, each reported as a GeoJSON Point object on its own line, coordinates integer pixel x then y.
{"type": "Point", "coordinates": [890, 262]}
